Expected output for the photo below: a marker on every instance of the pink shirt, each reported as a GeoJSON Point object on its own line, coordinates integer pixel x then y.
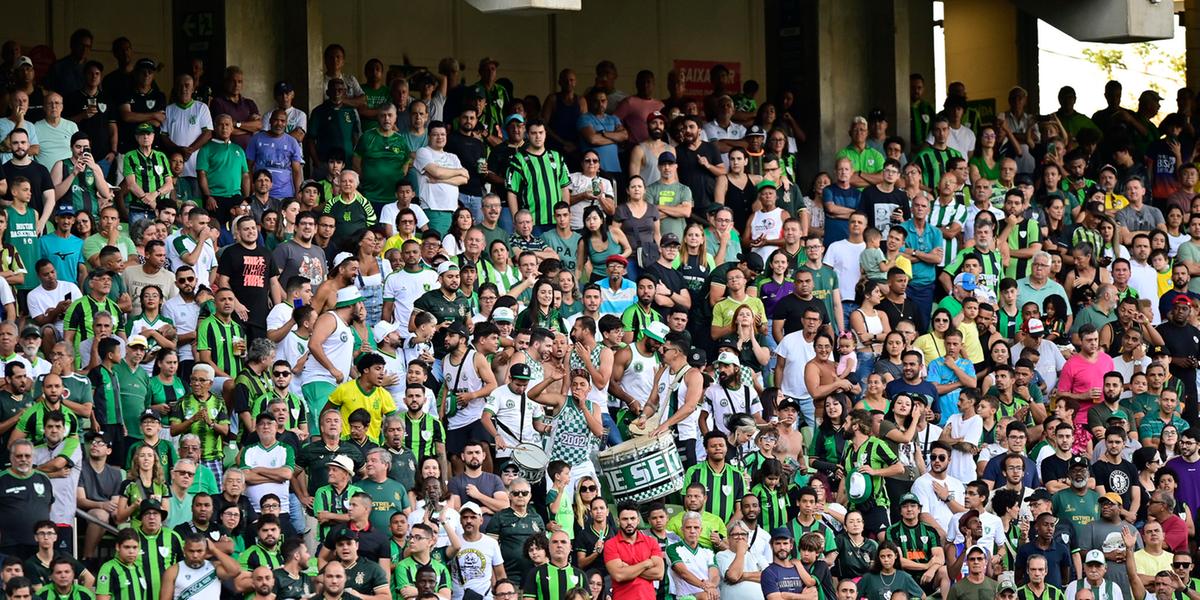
{"type": "Point", "coordinates": [633, 112]}
{"type": "Point", "coordinates": [1081, 376]}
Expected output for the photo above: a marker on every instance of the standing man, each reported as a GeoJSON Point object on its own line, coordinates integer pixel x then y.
{"type": "Point", "coordinates": [440, 175]}
{"type": "Point", "coordinates": [635, 562]}
{"type": "Point", "coordinates": [331, 348]}
{"type": "Point", "coordinates": [222, 171]}
{"type": "Point", "coordinates": [1182, 340]}
{"type": "Point", "coordinates": [699, 164]}
{"type": "Point", "coordinates": [299, 256]}
{"type": "Point", "coordinates": [249, 270]}
{"type": "Point", "coordinates": [537, 179]}
{"type": "Point", "coordinates": [383, 156]}
{"type": "Point", "coordinates": [147, 175]}
{"type": "Point", "coordinates": [28, 493]}
{"type": "Point", "coordinates": [280, 154]}
{"type": "Point", "coordinates": [923, 245]}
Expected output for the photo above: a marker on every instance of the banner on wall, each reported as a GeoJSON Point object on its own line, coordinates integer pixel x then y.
{"type": "Point", "coordinates": [695, 75]}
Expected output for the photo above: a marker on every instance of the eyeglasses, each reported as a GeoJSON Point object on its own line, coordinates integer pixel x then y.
{"type": "Point", "coordinates": [520, 493]}
{"type": "Point", "coordinates": [187, 473]}
{"type": "Point", "coordinates": [270, 506]}
{"type": "Point", "coordinates": [738, 535]}
{"type": "Point", "coordinates": [282, 373]}
{"type": "Point", "coordinates": [975, 558]}
{"type": "Point", "coordinates": [942, 320]}
{"type": "Point", "coordinates": [587, 488]}
{"type": "Point", "coordinates": [939, 457]}
{"type": "Point", "coordinates": [590, 160]}
{"type": "Point", "coordinates": [46, 533]}
{"type": "Point", "coordinates": [1182, 565]}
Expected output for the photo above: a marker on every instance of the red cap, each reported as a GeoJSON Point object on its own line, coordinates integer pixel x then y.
{"type": "Point", "coordinates": [617, 258]}
{"type": "Point", "coordinates": [655, 115]}
{"type": "Point", "coordinates": [1182, 299]}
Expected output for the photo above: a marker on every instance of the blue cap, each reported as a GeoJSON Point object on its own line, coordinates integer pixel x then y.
{"type": "Point", "coordinates": [966, 280]}
{"type": "Point", "coordinates": [514, 117]}
{"type": "Point", "coordinates": [781, 533]}
{"type": "Point", "coordinates": [666, 157]}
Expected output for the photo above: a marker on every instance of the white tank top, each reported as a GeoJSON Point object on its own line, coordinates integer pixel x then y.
{"type": "Point", "coordinates": [339, 348]}
{"type": "Point", "coordinates": [197, 584]}
{"type": "Point", "coordinates": [638, 379]}
{"type": "Point", "coordinates": [463, 378]}
{"type": "Point", "coordinates": [689, 428]}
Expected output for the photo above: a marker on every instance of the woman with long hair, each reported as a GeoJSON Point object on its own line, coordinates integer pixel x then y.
{"type": "Point", "coordinates": [1055, 318]}
{"type": "Point", "coordinates": [1055, 227]}
{"type": "Point", "coordinates": [1168, 443]}
{"type": "Point", "coordinates": [1085, 273]}
{"type": "Point", "coordinates": [855, 550]}
{"type": "Point", "coordinates": [460, 223]}
{"type": "Point", "coordinates": [600, 240]}
{"type": "Point", "coordinates": [873, 400]}
{"type": "Point", "coordinates": [166, 388]}
{"type": "Point", "coordinates": [999, 353]}
{"type": "Point", "coordinates": [586, 489]}
{"type": "Point", "coordinates": [1112, 248]}
{"type": "Point", "coordinates": [770, 486]}
{"type": "Point", "coordinates": [572, 300]}
{"type": "Point", "coordinates": [933, 343]}
{"type": "Point", "coordinates": [985, 161]}
{"type": "Point", "coordinates": [499, 268]}
{"type": "Point", "coordinates": [1177, 229]}
{"type": "Point", "coordinates": [775, 285]}
{"type": "Point", "coordinates": [1146, 462]}
{"type": "Point", "coordinates": [870, 325]}
{"type": "Point", "coordinates": [158, 330]}
{"type": "Point", "coordinates": [751, 345]}
{"type": "Point", "coordinates": [820, 373]}
{"type": "Point", "coordinates": [886, 576]}
{"type": "Point", "coordinates": [694, 262]}
{"type": "Point", "coordinates": [899, 427]}
{"type": "Point", "coordinates": [541, 311]}
{"type": "Point", "coordinates": [268, 225]}
{"type": "Point", "coordinates": [815, 204]}
{"type": "Point", "coordinates": [366, 244]}
{"type": "Point", "coordinates": [736, 189]}
{"type": "Point", "coordinates": [84, 227]}
{"type": "Point", "coordinates": [486, 295]}
{"type": "Point", "coordinates": [777, 145]}
{"type": "Point", "coordinates": [829, 439]}
{"type": "Point", "coordinates": [639, 221]}
{"type": "Point", "coordinates": [888, 363]}
{"type": "Point", "coordinates": [144, 481]}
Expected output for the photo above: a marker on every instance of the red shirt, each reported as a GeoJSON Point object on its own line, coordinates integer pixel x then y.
{"type": "Point", "coordinates": [643, 547]}
{"type": "Point", "coordinates": [1175, 533]}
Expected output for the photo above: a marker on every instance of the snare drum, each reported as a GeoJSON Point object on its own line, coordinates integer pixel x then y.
{"type": "Point", "coordinates": [531, 461]}
{"type": "Point", "coordinates": [642, 469]}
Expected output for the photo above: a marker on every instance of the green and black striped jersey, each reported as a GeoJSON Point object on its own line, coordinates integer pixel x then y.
{"type": "Point", "coordinates": [933, 164]}
{"type": "Point", "coordinates": [257, 556]}
{"type": "Point", "coordinates": [916, 542]}
{"type": "Point", "coordinates": [725, 490]}
{"type": "Point", "coordinates": [405, 574]}
{"type": "Point", "coordinates": [538, 180]}
{"type": "Point", "coordinates": [217, 336]}
{"type": "Point", "coordinates": [549, 582]}
{"type": "Point", "coordinates": [423, 434]}
{"type": "Point", "coordinates": [119, 581]}
{"type": "Point", "coordinates": [77, 592]}
{"type": "Point", "coordinates": [159, 551]}
{"type": "Point", "coordinates": [1049, 592]}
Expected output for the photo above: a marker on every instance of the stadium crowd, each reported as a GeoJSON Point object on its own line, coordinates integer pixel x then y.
{"type": "Point", "coordinates": [435, 339]}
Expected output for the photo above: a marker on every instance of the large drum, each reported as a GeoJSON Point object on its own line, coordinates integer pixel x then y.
{"type": "Point", "coordinates": [531, 461]}
{"type": "Point", "coordinates": [642, 469]}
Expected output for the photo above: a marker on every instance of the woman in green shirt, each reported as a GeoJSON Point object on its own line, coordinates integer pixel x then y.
{"type": "Point", "coordinates": [541, 311]}
{"type": "Point", "coordinates": [165, 386]}
{"type": "Point", "coordinates": [145, 481]}
{"type": "Point", "coordinates": [985, 162]}
{"type": "Point", "coordinates": [885, 578]}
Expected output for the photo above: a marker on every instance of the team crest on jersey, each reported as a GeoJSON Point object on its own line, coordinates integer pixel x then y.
{"type": "Point", "coordinates": [344, 337]}
{"type": "Point", "coordinates": [158, 170]}
{"type": "Point", "coordinates": [347, 117]}
{"type": "Point", "coordinates": [164, 551]}
{"type": "Point", "coordinates": [186, 576]}
{"type": "Point", "coordinates": [39, 488]}
{"type": "Point", "coordinates": [102, 106]}
{"type": "Point", "coordinates": [426, 435]}
{"type": "Point", "coordinates": [924, 539]}
{"type": "Point", "coordinates": [638, 368]}
{"type": "Point", "coordinates": [150, 103]}
{"type": "Point", "coordinates": [192, 120]}
{"type": "Point", "coordinates": [536, 528]}
{"type": "Point", "coordinates": [727, 489]}
{"type": "Point", "coordinates": [215, 535]}
{"type": "Point", "coordinates": [511, 404]}
{"type": "Point", "coordinates": [360, 578]}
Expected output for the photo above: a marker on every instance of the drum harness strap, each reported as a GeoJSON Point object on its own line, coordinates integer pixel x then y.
{"type": "Point", "coordinates": [745, 392]}
{"type": "Point", "coordinates": [520, 438]}
{"type": "Point", "coordinates": [673, 391]}
{"type": "Point", "coordinates": [458, 377]}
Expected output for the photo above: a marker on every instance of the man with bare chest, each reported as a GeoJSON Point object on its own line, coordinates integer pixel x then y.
{"type": "Point", "coordinates": [791, 441]}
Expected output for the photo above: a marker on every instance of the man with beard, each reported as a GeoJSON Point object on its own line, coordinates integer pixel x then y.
{"type": "Point", "coordinates": [31, 424]}
{"type": "Point", "coordinates": [677, 390]}
{"type": "Point", "coordinates": [250, 271]}
{"type": "Point", "coordinates": [729, 396]}
{"type": "Point", "coordinates": [1115, 475]}
{"type": "Point", "coordinates": [200, 573]}
{"type": "Point", "coordinates": [21, 164]}
{"type": "Point", "coordinates": [196, 247]}
{"type": "Point", "coordinates": [642, 313]}
{"type": "Point", "coordinates": [1104, 534]}
{"type": "Point", "coordinates": [699, 164]}
{"type": "Point", "coordinates": [726, 482]}
{"type": "Point", "coordinates": [643, 158]}
{"type": "Point", "coordinates": [332, 351]}
{"type": "Point", "coordinates": [1183, 344]}
{"type": "Point", "coordinates": [261, 584]}
{"type": "Point", "coordinates": [299, 256]}
{"type": "Point", "coordinates": [696, 499]}
{"type": "Point", "coordinates": [672, 197]}
{"type": "Point", "coordinates": [183, 310]}
{"type": "Point", "coordinates": [265, 551]}
{"type": "Point", "coordinates": [913, 383]}
{"type": "Point", "coordinates": [634, 367]}
{"type": "Point", "coordinates": [1077, 503]}
{"type": "Point", "coordinates": [291, 579]}
{"type": "Point", "coordinates": [403, 287]}
{"type": "Point", "coordinates": [476, 485]}
{"type": "Point", "coordinates": [633, 559]}
{"type": "Point", "coordinates": [279, 154]}
{"type": "Point", "coordinates": [469, 381]}
{"type": "Point", "coordinates": [758, 539]}
{"type": "Point", "coordinates": [509, 417]}
{"type": "Point", "coordinates": [786, 577]}
{"type": "Point", "coordinates": [445, 303]}
{"type": "Point", "coordinates": [201, 523]}
{"type": "Point", "coordinates": [475, 560]}
{"type": "Point", "coordinates": [940, 494]}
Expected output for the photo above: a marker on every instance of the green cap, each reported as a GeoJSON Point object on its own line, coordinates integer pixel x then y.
{"type": "Point", "coordinates": [766, 183]}
{"type": "Point", "coordinates": [144, 128]}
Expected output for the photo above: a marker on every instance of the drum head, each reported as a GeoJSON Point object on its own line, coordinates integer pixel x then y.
{"type": "Point", "coordinates": [530, 456]}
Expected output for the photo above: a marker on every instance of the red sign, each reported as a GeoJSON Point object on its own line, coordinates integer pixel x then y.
{"type": "Point", "coordinates": [695, 76]}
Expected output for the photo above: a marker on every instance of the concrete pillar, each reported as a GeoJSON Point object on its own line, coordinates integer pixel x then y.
{"type": "Point", "coordinates": [976, 28]}
{"type": "Point", "coordinates": [1191, 24]}
{"type": "Point", "coordinates": [304, 45]}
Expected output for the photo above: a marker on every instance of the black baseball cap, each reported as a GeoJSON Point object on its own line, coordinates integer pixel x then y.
{"type": "Point", "coordinates": [697, 357]}
{"type": "Point", "coordinates": [520, 371]}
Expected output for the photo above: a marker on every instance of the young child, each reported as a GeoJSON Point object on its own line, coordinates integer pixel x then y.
{"type": "Point", "coordinates": [771, 495]}
{"type": "Point", "coordinates": [849, 359]}
{"type": "Point", "coordinates": [294, 347]}
{"type": "Point", "coordinates": [811, 549]}
{"type": "Point", "coordinates": [558, 498]}
{"type": "Point", "coordinates": [873, 262]}
{"type": "Point", "coordinates": [1162, 266]}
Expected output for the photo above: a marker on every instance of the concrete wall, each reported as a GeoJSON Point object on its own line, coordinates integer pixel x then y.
{"type": "Point", "coordinates": [254, 41]}
{"type": "Point", "coordinates": [635, 34]}
{"type": "Point", "coordinates": [146, 22]}
{"type": "Point", "coordinates": [977, 29]}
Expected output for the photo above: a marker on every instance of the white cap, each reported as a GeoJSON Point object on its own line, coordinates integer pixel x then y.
{"type": "Point", "coordinates": [384, 328]}
{"type": "Point", "coordinates": [137, 340]}
{"type": "Point", "coordinates": [342, 462]}
{"type": "Point", "coordinates": [342, 257]}
{"type": "Point", "coordinates": [503, 313]}
{"type": "Point", "coordinates": [471, 506]}
{"type": "Point", "coordinates": [1113, 541]}
{"type": "Point", "coordinates": [657, 331]}
{"type": "Point", "coordinates": [347, 296]}
{"type": "Point", "coordinates": [446, 267]}
{"type": "Point", "coordinates": [728, 358]}
{"type": "Point", "coordinates": [1095, 556]}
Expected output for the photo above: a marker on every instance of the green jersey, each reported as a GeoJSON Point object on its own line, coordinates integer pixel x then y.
{"type": "Point", "coordinates": [774, 503]}
{"type": "Point", "coordinates": [135, 396]}
{"type": "Point", "coordinates": [549, 582]}
{"type": "Point", "coordinates": [159, 551]}
{"type": "Point", "coordinates": [258, 556]}
{"type": "Point", "coordinates": [423, 435]}
{"type": "Point", "coordinates": [217, 337]}
{"type": "Point", "coordinates": [224, 164]}
{"type": "Point", "coordinates": [292, 588]}
{"type": "Point", "coordinates": [328, 499]}
{"type": "Point", "coordinates": [799, 529]}
{"type": "Point", "coordinates": [1021, 236]}
{"type": "Point", "coordinates": [167, 457]}
{"type": "Point", "coordinates": [387, 497]}
{"type": "Point", "coordinates": [446, 310]}
{"type": "Point", "coordinates": [1080, 510]}
{"type": "Point", "coordinates": [77, 592]}
{"type": "Point", "coordinates": [725, 489]}
{"type": "Point", "coordinates": [636, 319]}
{"type": "Point", "coordinates": [350, 216]}
{"type": "Point", "coordinates": [916, 542]}
{"type": "Point", "coordinates": [922, 118]}
{"type": "Point", "coordinates": [874, 453]}
{"type": "Point", "coordinates": [119, 581]}
{"type": "Point", "coordinates": [150, 171]}
{"type": "Point", "coordinates": [82, 194]}
{"type": "Point", "coordinates": [404, 574]}
{"type": "Point", "coordinates": [22, 234]}
{"type": "Point", "coordinates": [80, 316]}
{"type": "Point", "coordinates": [211, 442]}
{"type": "Point", "coordinates": [1049, 592]}
{"type": "Point", "coordinates": [537, 180]}
{"type": "Point", "coordinates": [933, 163]}
{"type": "Point", "coordinates": [385, 160]}
{"type": "Point", "coordinates": [33, 420]}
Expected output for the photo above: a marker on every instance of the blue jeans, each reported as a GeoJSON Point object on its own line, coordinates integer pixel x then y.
{"type": "Point", "coordinates": [296, 512]}
{"type": "Point", "coordinates": [614, 435]}
{"type": "Point", "coordinates": [474, 204]}
{"type": "Point", "coordinates": [866, 364]}
{"type": "Point", "coordinates": [506, 219]}
{"type": "Point", "coordinates": [922, 297]}
{"type": "Point", "coordinates": [808, 410]}
{"type": "Point", "coordinates": [848, 306]}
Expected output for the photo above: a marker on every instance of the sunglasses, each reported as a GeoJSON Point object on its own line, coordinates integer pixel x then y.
{"type": "Point", "coordinates": [1182, 565]}
{"type": "Point", "coordinates": [185, 279]}
{"type": "Point", "coordinates": [939, 457]}
{"type": "Point", "coordinates": [587, 488]}
{"type": "Point", "coordinates": [520, 493]}
{"type": "Point", "coordinates": [281, 373]}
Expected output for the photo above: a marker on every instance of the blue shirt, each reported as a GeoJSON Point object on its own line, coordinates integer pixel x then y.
{"type": "Point", "coordinates": [1057, 557]}
{"type": "Point", "coordinates": [777, 579]}
{"type": "Point", "coordinates": [65, 254]}
{"type": "Point", "coordinates": [940, 374]}
{"type": "Point", "coordinates": [615, 303]}
{"type": "Point", "coordinates": [276, 155]}
{"type": "Point", "coordinates": [839, 229]}
{"type": "Point", "coordinates": [923, 273]}
{"type": "Point", "coordinates": [608, 152]}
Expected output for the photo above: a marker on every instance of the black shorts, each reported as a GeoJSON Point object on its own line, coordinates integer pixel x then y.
{"type": "Point", "coordinates": [875, 518]}
{"type": "Point", "coordinates": [456, 439]}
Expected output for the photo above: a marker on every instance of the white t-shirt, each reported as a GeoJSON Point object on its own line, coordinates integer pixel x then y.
{"type": "Point", "coordinates": [448, 517]}
{"type": "Point", "coordinates": [842, 256]}
{"type": "Point", "coordinates": [437, 196]}
{"type": "Point", "coordinates": [296, 119]}
{"type": "Point", "coordinates": [993, 532]}
{"type": "Point", "coordinates": [291, 349]}
{"type": "Point", "coordinates": [41, 300]}
{"type": "Point", "coordinates": [1050, 360]}
{"type": "Point", "coordinates": [1144, 277]}
{"type": "Point", "coordinates": [185, 315]}
{"type": "Point", "coordinates": [713, 131]}
{"type": "Point", "coordinates": [962, 464]}
{"type": "Point", "coordinates": [184, 125]}
{"type": "Point", "coordinates": [797, 351]}
{"type": "Point", "coordinates": [580, 183]}
{"type": "Point", "coordinates": [473, 566]}
{"type": "Point", "coordinates": [923, 489]}
{"type": "Point", "coordinates": [719, 403]}
{"type": "Point", "coordinates": [387, 216]}
{"type": "Point", "coordinates": [180, 244]}
{"type": "Point", "coordinates": [961, 139]}
{"type": "Point", "coordinates": [768, 225]}
{"type": "Point", "coordinates": [505, 407]}
{"type": "Point", "coordinates": [746, 590]}
{"type": "Point", "coordinates": [403, 288]}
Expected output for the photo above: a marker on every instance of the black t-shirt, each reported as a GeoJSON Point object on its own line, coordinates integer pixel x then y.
{"type": "Point", "coordinates": [250, 271]}
{"type": "Point", "coordinates": [585, 542]}
{"type": "Point", "coordinates": [1053, 468]}
{"type": "Point", "coordinates": [696, 177]}
{"type": "Point", "coordinates": [895, 312]}
{"type": "Point", "coordinates": [95, 127]}
{"type": "Point", "coordinates": [468, 150]}
{"type": "Point", "coordinates": [878, 207]}
{"type": "Point", "coordinates": [39, 180]}
{"type": "Point", "coordinates": [1119, 478]}
{"type": "Point", "coordinates": [671, 278]}
{"type": "Point", "coordinates": [498, 161]}
{"type": "Point", "coordinates": [791, 310]}
{"type": "Point", "coordinates": [372, 544]}
{"type": "Point", "coordinates": [149, 102]}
